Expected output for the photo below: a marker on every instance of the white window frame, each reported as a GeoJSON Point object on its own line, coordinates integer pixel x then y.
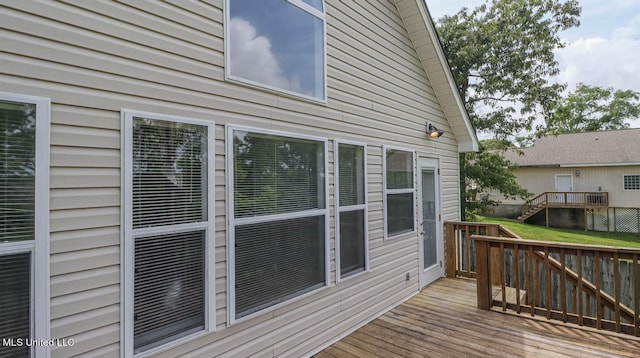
{"type": "Point", "coordinates": [39, 247]}
{"type": "Point", "coordinates": [233, 222]}
{"type": "Point", "coordinates": [386, 192]}
{"type": "Point", "coordinates": [127, 238]}
{"type": "Point", "coordinates": [303, 6]}
{"type": "Point", "coordinates": [341, 209]}
{"type": "Point", "coordinates": [624, 184]}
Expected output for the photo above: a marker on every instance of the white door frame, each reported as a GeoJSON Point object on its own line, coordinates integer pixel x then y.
{"type": "Point", "coordinates": [432, 273]}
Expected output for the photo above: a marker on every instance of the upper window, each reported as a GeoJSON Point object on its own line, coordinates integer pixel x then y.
{"type": "Point", "coordinates": [168, 228]}
{"type": "Point", "coordinates": [632, 182]}
{"type": "Point", "coordinates": [399, 192]}
{"type": "Point", "coordinates": [278, 218]}
{"type": "Point", "coordinates": [24, 152]}
{"type": "Point", "coordinates": [278, 44]}
{"type": "Point", "coordinates": [351, 213]}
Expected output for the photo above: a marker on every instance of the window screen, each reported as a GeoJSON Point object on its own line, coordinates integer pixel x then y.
{"type": "Point", "coordinates": [17, 222]}
{"type": "Point", "coordinates": [17, 171]}
{"type": "Point", "coordinates": [169, 204]}
{"type": "Point", "coordinates": [278, 221]}
{"type": "Point", "coordinates": [351, 208]}
{"type": "Point", "coordinates": [15, 302]}
{"type": "Point", "coordinates": [399, 179]}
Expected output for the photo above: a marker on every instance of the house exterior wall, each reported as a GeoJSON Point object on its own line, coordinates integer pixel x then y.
{"type": "Point", "coordinates": [93, 59]}
{"type": "Point", "coordinates": [538, 180]}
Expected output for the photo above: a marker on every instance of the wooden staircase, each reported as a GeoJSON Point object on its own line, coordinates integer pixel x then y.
{"type": "Point", "coordinates": [533, 206]}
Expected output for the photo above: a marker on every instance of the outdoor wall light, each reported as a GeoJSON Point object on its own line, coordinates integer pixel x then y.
{"type": "Point", "coordinates": [433, 132]}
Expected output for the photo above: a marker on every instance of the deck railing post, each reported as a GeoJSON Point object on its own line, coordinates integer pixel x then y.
{"type": "Point", "coordinates": [450, 250]}
{"type": "Point", "coordinates": [483, 269]}
{"type": "Point", "coordinates": [496, 264]}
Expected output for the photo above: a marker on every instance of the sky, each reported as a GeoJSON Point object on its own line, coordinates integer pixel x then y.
{"type": "Point", "coordinates": [603, 51]}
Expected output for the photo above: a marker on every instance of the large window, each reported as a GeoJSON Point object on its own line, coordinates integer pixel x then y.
{"type": "Point", "coordinates": [278, 218]}
{"type": "Point", "coordinates": [277, 44]}
{"type": "Point", "coordinates": [399, 192]}
{"type": "Point", "coordinates": [24, 151]}
{"type": "Point", "coordinates": [631, 182]}
{"type": "Point", "coordinates": [168, 229]}
{"type": "Point", "coordinates": [351, 213]}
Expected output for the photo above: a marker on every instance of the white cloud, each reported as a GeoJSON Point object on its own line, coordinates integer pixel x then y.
{"type": "Point", "coordinates": [252, 58]}
{"type": "Point", "coordinates": [630, 31]}
{"type": "Point", "coordinates": [601, 62]}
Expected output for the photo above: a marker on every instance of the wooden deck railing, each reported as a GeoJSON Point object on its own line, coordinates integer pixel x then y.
{"type": "Point", "coordinates": [594, 286]}
{"type": "Point", "coordinates": [460, 252]}
{"type": "Point", "coordinates": [564, 199]}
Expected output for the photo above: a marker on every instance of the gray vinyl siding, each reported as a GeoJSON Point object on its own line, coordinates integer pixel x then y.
{"type": "Point", "coordinates": [95, 58]}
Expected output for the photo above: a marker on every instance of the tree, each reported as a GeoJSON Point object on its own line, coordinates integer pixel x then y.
{"type": "Point", "coordinates": [592, 108]}
{"type": "Point", "coordinates": [490, 172]}
{"type": "Point", "coordinates": [501, 54]}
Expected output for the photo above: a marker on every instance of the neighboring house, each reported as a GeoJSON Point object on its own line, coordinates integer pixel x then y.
{"type": "Point", "coordinates": [592, 162]}
{"type": "Point", "coordinates": [219, 178]}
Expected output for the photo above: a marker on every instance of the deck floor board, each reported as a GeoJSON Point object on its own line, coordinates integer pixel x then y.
{"type": "Point", "coordinates": [443, 321]}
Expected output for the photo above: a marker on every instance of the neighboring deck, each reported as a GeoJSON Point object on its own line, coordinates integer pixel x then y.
{"type": "Point", "coordinates": [443, 321]}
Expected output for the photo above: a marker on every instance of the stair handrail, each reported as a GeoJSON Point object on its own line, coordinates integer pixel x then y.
{"type": "Point", "coordinates": [541, 251]}
{"type": "Point", "coordinates": [541, 199]}
{"type": "Point", "coordinates": [498, 230]}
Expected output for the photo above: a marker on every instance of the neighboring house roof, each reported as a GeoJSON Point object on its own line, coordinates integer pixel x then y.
{"type": "Point", "coordinates": [422, 32]}
{"type": "Point", "coordinates": [620, 147]}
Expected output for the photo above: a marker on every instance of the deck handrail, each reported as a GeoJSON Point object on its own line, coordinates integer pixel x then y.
{"type": "Point", "coordinates": [575, 199]}
{"type": "Point", "coordinates": [526, 285]}
{"type": "Point", "coordinates": [459, 252]}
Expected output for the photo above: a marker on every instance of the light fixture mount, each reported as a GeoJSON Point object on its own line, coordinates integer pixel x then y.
{"type": "Point", "coordinates": [433, 132]}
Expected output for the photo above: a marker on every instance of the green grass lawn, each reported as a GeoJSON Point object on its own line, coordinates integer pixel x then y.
{"type": "Point", "coordinates": [533, 232]}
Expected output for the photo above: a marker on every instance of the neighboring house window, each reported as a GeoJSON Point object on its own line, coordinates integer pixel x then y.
{"type": "Point", "coordinates": [351, 213]}
{"type": "Point", "coordinates": [24, 196]}
{"type": "Point", "coordinates": [277, 44]}
{"type": "Point", "coordinates": [278, 218]}
{"type": "Point", "coordinates": [632, 182]}
{"type": "Point", "coordinates": [399, 192]}
{"type": "Point", "coordinates": [169, 234]}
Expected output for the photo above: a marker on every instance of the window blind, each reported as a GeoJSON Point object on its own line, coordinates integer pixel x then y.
{"type": "Point", "coordinates": [399, 169]}
{"type": "Point", "coordinates": [15, 302]}
{"type": "Point", "coordinates": [351, 213]}
{"type": "Point", "coordinates": [17, 210]}
{"type": "Point", "coordinates": [277, 258]}
{"type": "Point", "coordinates": [276, 261]}
{"type": "Point", "coordinates": [352, 236]}
{"type": "Point", "coordinates": [351, 174]}
{"type": "Point", "coordinates": [169, 181]}
{"type": "Point", "coordinates": [169, 287]}
{"type": "Point", "coordinates": [275, 175]}
{"type": "Point", "coordinates": [169, 177]}
{"type": "Point", "coordinates": [17, 171]}
{"type": "Point", "coordinates": [400, 213]}
{"type": "Point", "coordinates": [399, 192]}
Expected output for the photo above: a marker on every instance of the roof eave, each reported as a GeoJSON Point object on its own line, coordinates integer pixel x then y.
{"type": "Point", "coordinates": [437, 68]}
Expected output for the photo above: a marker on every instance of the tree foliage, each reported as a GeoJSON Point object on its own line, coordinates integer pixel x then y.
{"type": "Point", "coordinates": [501, 54]}
{"type": "Point", "coordinates": [592, 108]}
{"type": "Point", "coordinates": [490, 173]}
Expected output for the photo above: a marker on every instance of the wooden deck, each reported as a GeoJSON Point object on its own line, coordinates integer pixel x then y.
{"type": "Point", "coordinates": [443, 321]}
